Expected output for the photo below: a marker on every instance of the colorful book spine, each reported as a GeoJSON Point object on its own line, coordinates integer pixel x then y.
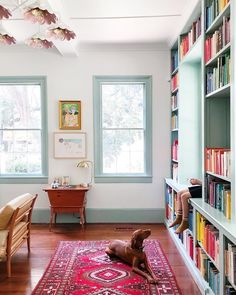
{"type": "Point", "coordinates": [174, 121]}
{"type": "Point", "coordinates": [208, 270]}
{"type": "Point", "coordinates": [175, 150]}
{"type": "Point", "coordinates": [218, 161]}
{"type": "Point", "coordinates": [175, 172]}
{"type": "Point", "coordinates": [188, 40]}
{"type": "Point", "coordinates": [230, 262]}
{"type": "Point", "coordinates": [188, 243]}
{"type": "Point", "coordinates": [174, 101]}
{"type": "Point", "coordinates": [218, 40]}
{"type": "Point", "coordinates": [218, 76]}
{"type": "Point", "coordinates": [174, 82]}
{"type": "Point", "coordinates": [174, 60]}
{"type": "Point", "coordinates": [218, 194]}
{"type": "Point", "coordinates": [208, 237]}
{"type": "Point", "coordinates": [213, 9]}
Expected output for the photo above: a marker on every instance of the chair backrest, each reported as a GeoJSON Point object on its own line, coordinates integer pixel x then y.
{"type": "Point", "coordinates": [21, 213]}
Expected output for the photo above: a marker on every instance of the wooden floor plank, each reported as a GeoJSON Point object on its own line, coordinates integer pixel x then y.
{"type": "Point", "coordinates": [28, 269]}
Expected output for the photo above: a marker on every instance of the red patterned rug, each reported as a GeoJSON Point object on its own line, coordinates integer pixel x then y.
{"type": "Point", "coordinates": [83, 267]}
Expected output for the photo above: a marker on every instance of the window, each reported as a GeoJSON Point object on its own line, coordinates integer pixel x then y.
{"type": "Point", "coordinates": [23, 130]}
{"type": "Point", "coordinates": [123, 129]}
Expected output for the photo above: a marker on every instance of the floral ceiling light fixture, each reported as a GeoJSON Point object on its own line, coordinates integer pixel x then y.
{"type": "Point", "coordinates": [4, 37]}
{"type": "Point", "coordinates": [42, 16]}
{"type": "Point", "coordinates": [7, 39]}
{"type": "Point", "coordinates": [61, 33]}
{"type": "Point", "coordinates": [4, 12]}
{"type": "Point", "coordinates": [39, 15]}
{"type": "Point", "coordinates": [37, 41]}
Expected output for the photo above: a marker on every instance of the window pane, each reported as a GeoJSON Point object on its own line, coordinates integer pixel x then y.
{"type": "Point", "coordinates": [123, 151]}
{"type": "Point", "coordinates": [20, 106]}
{"type": "Point", "coordinates": [20, 152]}
{"type": "Point", "coordinates": [122, 105]}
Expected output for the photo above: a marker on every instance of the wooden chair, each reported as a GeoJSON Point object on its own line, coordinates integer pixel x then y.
{"type": "Point", "coordinates": [18, 224]}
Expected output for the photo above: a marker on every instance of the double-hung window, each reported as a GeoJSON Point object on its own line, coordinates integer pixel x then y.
{"type": "Point", "coordinates": [23, 130]}
{"type": "Point", "coordinates": [123, 129]}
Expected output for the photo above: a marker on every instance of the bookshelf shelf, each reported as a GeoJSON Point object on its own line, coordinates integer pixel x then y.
{"type": "Point", "coordinates": [194, 52]}
{"type": "Point", "coordinates": [219, 176]}
{"type": "Point", "coordinates": [217, 218]}
{"type": "Point", "coordinates": [175, 90]}
{"type": "Point", "coordinates": [175, 109]}
{"type": "Point", "coordinates": [220, 92]}
{"type": "Point", "coordinates": [175, 71]}
{"type": "Point", "coordinates": [213, 60]}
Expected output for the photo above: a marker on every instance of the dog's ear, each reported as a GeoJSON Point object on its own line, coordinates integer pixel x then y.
{"type": "Point", "coordinates": [133, 241]}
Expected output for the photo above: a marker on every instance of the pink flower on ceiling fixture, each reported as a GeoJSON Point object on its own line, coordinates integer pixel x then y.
{"type": "Point", "coordinates": [6, 39]}
{"type": "Point", "coordinates": [38, 15]}
{"type": "Point", "coordinates": [4, 13]}
{"type": "Point", "coordinates": [61, 34]}
{"type": "Point", "coordinates": [37, 42]}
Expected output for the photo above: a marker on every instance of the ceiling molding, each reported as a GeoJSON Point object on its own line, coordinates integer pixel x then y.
{"type": "Point", "coordinates": [124, 17]}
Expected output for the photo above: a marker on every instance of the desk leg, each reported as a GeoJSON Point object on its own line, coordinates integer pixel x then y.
{"type": "Point", "coordinates": [81, 213]}
{"type": "Point", "coordinates": [51, 217]}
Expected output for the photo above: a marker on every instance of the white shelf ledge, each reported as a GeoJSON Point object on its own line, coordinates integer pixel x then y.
{"type": "Point", "coordinates": [217, 218]}
{"type": "Point", "coordinates": [175, 185]}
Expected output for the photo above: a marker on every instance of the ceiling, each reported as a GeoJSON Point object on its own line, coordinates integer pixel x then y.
{"type": "Point", "coordinates": [104, 21]}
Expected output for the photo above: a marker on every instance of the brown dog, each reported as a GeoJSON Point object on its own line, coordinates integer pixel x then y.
{"type": "Point", "coordinates": [132, 253]}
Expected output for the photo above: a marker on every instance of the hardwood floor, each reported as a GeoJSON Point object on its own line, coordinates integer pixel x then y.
{"type": "Point", "coordinates": [27, 270]}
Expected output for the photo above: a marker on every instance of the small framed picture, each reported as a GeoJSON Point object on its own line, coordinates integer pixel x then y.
{"type": "Point", "coordinates": [69, 145]}
{"type": "Point", "coordinates": [70, 114]}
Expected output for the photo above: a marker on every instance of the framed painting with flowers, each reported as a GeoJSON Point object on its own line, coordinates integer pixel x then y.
{"type": "Point", "coordinates": [70, 114]}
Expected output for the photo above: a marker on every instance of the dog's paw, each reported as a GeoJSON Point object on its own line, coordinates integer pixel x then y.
{"type": "Point", "coordinates": [153, 281]}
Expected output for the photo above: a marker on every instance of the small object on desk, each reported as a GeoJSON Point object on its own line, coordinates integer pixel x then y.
{"type": "Point", "coordinates": [55, 184]}
{"type": "Point", "coordinates": [65, 181]}
{"type": "Point", "coordinates": [84, 185]}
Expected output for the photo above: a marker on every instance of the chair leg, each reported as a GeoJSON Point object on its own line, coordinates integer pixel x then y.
{"type": "Point", "coordinates": [28, 243]}
{"type": "Point", "coordinates": [9, 267]}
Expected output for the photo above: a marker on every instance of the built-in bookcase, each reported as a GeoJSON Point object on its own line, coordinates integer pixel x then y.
{"type": "Point", "coordinates": [174, 110]}
{"type": "Point", "coordinates": [206, 145]}
{"type": "Point", "coordinates": [186, 101]}
{"type": "Point", "coordinates": [217, 105]}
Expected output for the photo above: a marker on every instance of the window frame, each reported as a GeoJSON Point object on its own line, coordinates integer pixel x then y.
{"type": "Point", "coordinates": [30, 178]}
{"type": "Point", "coordinates": [99, 176]}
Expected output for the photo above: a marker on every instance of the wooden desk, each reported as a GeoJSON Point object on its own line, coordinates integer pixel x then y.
{"type": "Point", "coordinates": [67, 200]}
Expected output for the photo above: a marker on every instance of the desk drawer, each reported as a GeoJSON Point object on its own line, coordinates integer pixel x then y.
{"type": "Point", "coordinates": [66, 198]}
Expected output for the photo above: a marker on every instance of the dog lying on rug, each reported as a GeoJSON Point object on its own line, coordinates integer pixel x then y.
{"type": "Point", "coordinates": [132, 253]}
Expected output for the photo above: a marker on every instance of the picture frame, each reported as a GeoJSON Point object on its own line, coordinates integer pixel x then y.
{"type": "Point", "coordinates": [70, 114]}
{"type": "Point", "coordinates": [69, 145]}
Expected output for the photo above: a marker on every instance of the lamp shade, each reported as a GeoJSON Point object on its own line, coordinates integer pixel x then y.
{"type": "Point", "coordinates": [87, 164]}
{"type": "Point", "coordinates": [84, 164]}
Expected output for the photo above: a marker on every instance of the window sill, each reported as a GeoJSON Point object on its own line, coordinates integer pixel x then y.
{"type": "Point", "coordinates": [123, 179]}
{"type": "Point", "coordinates": [23, 179]}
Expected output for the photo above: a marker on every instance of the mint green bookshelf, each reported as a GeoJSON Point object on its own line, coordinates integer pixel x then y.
{"type": "Point", "coordinates": [206, 120]}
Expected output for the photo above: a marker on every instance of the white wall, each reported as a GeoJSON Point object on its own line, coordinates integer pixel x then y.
{"type": "Point", "coordinates": [71, 78]}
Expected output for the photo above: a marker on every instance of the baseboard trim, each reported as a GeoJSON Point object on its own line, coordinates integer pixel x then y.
{"type": "Point", "coordinates": [104, 216]}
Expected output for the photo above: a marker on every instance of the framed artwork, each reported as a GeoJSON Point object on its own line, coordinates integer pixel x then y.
{"type": "Point", "coordinates": [69, 145]}
{"type": "Point", "coordinates": [70, 114]}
